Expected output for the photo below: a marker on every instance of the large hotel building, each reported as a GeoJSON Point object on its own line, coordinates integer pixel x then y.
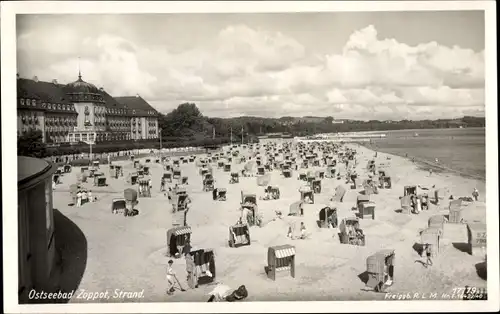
{"type": "Point", "coordinates": [81, 112]}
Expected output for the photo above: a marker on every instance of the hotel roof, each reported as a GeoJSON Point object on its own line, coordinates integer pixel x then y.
{"type": "Point", "coordinates": [45, 93]}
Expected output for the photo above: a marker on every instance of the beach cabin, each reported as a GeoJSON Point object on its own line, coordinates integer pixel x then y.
{"type": "Point", "coordinates": [380, 270]}
{"type": "Point", "coordinates": [99, 179]}
{"type": "Point", "coordinates": [239, 235]}
{"type": "Point", "coordinates": [167, 177]}
{"type": "Point", "coordinates": [327, 217]}
{"type": "Point", "coordinates": [455, 212]}
{"type": "Point", "coordinates": [130, 196]}
{"type": "Point", "coordinates": [339, 194]}
{"type": "Point", "coordinates": [296, 209]}
{"type": "Point", "coordinates": [351, 232]}
{"type": "Point", "coordinates": [118, 205]}
{"type": "Point", "coordinates": [177, 238]}
{"type": "Point", "coordinates": [177, 174]}
{"type": "Point", "coordinates": [410, 190]}
{"type": "Point", "coordinates": [432, 236]}
{"type": "Point", "coordinates": [406, 204]}
{"type": "Point", "coordinates": [306, 194]}
{"type": "Point", "coordinates": [280, 260]}
{"type": "Point", "coordinates": [476, 234]}
{"type": "Point", "coordinates": [235, 178]}
{"type": "Point", "coordinates": [316, 186]}
{"type": "Point", "coordinates": [437, 221]}
{"type": "Point", "coordinates": [366, 210]}
{"type": "Point", "coordinates": [204, 262]}
{"type": "Point", "coordinates": [302, 176]}
{"type": "Point", "coordinates": [263, 180]}
{"type": "Point", "coordinates": [362, 199]}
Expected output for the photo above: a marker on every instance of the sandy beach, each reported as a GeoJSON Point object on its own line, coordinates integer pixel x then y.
{"type": "Point", "coordinates": [128, 253]}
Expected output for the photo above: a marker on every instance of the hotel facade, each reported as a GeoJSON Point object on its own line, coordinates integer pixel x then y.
{"type": "Point", "coordinates": [81, 112]}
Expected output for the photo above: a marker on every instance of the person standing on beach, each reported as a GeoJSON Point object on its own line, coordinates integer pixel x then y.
{"type": "Point", "coordinates": [475, 194]}
{"type": "Point", "coordinates": [79, 198]}
{"type": "Point", "coordinates": [303, 231]}
{"type": "Point", "coordinates": [192, 279]}
{"type": "Point", "coordinates": [428, 253]}
{"type": "Point", "coordinates": [418, 205]}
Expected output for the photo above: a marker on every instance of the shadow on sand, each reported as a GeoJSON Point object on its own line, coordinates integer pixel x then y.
{"type": "Point", "coordinates": [418, 247]}
{"type": "Point", "coordinates": [71, 245]}
{"type": "Point", "coordinates": [481, 270]}
{"type": "Point", "coordinates": [363, 277]}
{"type": "Point", "coordinates": [462, 247]}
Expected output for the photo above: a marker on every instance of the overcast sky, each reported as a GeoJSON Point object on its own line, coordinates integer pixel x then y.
{"type": "Point", "coordinates": [374, 65]}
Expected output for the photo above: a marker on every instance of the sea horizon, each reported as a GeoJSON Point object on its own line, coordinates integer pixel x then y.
{"type": "Point", "coordinates": [458, 150]}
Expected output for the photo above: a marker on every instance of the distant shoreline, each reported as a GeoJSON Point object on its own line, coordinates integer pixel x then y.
{"type": "Point", "coordinates": [426, 165]}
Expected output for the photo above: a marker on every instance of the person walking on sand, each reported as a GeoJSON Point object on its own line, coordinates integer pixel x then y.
{"type": "Point", "coordinates": [475, 194]}
{"type": "Point", "coordinates": [428, 254]}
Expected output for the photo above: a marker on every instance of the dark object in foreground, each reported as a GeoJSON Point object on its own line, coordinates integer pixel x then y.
{"type": "Point", "coordinates": [237, 295]}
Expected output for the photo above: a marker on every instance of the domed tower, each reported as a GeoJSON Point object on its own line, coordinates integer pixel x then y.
{"type": "Point", "coordinates": [89, 104]}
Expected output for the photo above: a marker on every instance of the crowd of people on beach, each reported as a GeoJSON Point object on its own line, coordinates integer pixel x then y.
{"type": "Point", "coordinates": [84, 196]}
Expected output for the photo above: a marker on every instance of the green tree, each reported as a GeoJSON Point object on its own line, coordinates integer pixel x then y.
{"type": "Point", "coordinates": [31, 144]}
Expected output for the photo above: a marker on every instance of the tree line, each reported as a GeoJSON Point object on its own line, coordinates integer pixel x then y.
{"type": "Point", "coordinates": [186, 126]}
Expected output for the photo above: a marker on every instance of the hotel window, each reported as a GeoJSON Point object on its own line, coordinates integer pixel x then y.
{"type": "Point", "coordinates": [22, 101]}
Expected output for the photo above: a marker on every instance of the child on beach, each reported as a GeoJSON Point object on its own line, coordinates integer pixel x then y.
{"type": "Point", "coordinates": [89, 194]}
{"type": "Point", "coordinates": [170, 278]}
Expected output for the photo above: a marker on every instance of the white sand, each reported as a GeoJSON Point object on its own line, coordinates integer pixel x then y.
{"type": "Point", "coordinates": [129, 252]}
